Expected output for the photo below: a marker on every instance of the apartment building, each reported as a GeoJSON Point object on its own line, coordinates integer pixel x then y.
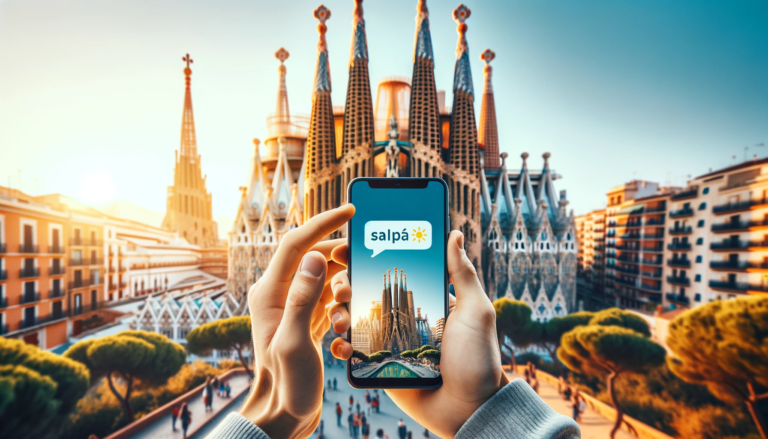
{"type": "Point", "coordinates": [719, 239]}
{"type": "Point", "coordinates": [636, 218]}
{"type": "Point", "coordinates": [590, 234]}
{"type": "Point", "coordinates": [33, 270]}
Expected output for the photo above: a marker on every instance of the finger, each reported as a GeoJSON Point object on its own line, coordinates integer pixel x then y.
{"type": "Point", "coordinates": [451, 302]}
{"type": "Point", "coordinates": [465, 282]}
{"type": "Point", "coordinates": [299, 240]}
{"type": "Point", "coordinates": [342, 292]}
{"type": "Point", "coordinates": [339, 317]}
{"type": "Point", "coordinates": [326, 247]}
{"type": "Point", "coordinates": [328, 294]}
{"type": "Point", "coordinates": [341, 349]}
{"type": "Point", "coordinates": [339, 254]}
{"type": "Point", "coordinates": [304, 294]}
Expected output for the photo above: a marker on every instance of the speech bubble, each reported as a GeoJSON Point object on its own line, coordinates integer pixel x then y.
{"type": "Point", "coordinates": [397, 235]}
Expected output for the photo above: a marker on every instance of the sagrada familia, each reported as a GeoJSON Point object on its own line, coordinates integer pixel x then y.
{"type": "Point", "coordinates": [517, 230]}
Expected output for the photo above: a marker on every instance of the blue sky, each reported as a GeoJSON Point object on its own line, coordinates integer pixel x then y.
{"type": "Point", "coordinates": [614, 89]}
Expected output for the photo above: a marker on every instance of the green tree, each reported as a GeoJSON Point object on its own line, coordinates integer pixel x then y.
{"type": "Point", "coordinates": [513, 320]}
{"type": "Point", "coordinates": [38, 389]}
{"type": "Point", "coordinates": [130, 355]}
{"type": "Point", "coordinates": [554, 329]}
{"type": "Point", "coordinates": [624, 319]}
{"type": "Point", "coordinates": [432, 354]}
{"type": "Point", "coordinates": [378, 357]}
{"type": "Point", "coordinates": [612, 350]}
{"type": "Point", "coordinates": [233, 333]}
{"type": "Point", "coordinates": [410, 354]}
{"type": "Point", "coordinates": [724, 346]}
{"type": "Point", "coordinates": [360, 356]}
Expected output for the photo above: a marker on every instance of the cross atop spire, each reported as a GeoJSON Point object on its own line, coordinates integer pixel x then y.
{"type": "Point", "coordinates": [322, 70]}
{"type": "Point", "coordinates": [281, 108]}
{"type": "Point", "coordinates": [462, 76]}
{"type": "Point", "coordinates": [188, 137]}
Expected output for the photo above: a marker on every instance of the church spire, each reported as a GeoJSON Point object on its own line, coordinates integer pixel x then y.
{"type": "Point", "coordinates": [424, 114]}
{"type": "Point", "coordinates": [488, 134]}
{"type": "Point", "coordinates": [463, 135]}
{"type": "Point", "coordinates": [188, 138]}
{"type": "Point", "coordinates": [357, 140]}
{"type": "Point", "coordinates": [319, 186]}
{"type": "Point", "coordinates": [281, 107]}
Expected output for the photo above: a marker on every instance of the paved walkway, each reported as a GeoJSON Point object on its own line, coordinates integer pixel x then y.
{"type": "Point", "coordinates": [162, 428]}
{"type": "Point", "coordinates": [593, 425]}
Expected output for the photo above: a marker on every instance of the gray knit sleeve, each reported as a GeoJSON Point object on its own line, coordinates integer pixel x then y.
{"type": "Point", "coordinates": [235, 426]}
{"type": "Point", "coordinates": [516, 411]}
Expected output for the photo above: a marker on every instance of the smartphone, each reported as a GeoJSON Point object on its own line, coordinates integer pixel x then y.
{"type": "Point", "coordinates": [399, 278]}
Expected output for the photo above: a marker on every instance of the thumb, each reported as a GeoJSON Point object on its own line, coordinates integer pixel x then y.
{"type": "Point", "coordinates": [304, 294]}
{"type": "Point", "coordinates": [466, 285]}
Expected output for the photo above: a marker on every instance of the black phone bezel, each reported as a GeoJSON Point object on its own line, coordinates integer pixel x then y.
{"type": "Point", "coordinates": [398, 183]}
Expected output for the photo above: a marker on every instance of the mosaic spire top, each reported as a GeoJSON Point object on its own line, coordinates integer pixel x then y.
{"type": "Point", "coordinates": [462, 75]}
{"type": "Point", "coordinates": [359, 48]}
{"type": "Point", "coordinates": [422, 47]}
{"type": "Point", "coordinates": [322, 69]}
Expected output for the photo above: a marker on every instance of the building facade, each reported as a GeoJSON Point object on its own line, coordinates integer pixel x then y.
{"type": "Point", "coordinates": [188, 203]}
{"type": "Point", "coordinates": [590, 235]}
{"type": "Point", "coordinates": [518, 232]}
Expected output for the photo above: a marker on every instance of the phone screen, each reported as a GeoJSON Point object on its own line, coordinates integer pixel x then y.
{"type": "Point", "coordinates": [399, 281]}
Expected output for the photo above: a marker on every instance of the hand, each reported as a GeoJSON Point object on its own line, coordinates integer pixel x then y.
{"type": "Point", "coordinates": [287, 308]}
{"type": "Point", "coordinates": [470, 361]}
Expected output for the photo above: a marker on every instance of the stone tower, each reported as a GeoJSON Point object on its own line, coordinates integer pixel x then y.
{"type": "Point", "coordinates": [464, 163]}
{"type": "Point", "coordinates": [322, 184]}
{"type": "Point", "coordinates": [188, 205]}
{"type": "Point", "coordinates": [424, 116]}
{"type": "Point", "coordinates": [357, 144]}
{"type": "Point", "coordinates": [488, 133]}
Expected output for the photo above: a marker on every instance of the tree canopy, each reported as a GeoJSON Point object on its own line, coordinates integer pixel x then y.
{"type": "Point", "coordinates": [624, 319]}
{"type": "Point", "coordinates": [724, 346]}
{"type": "Point", "coordinates": [513, 320]}
{"type": "Point", "coordinates": [233, 333]}
{"type": "Point", "coordinates": [145, 356]}
{"type": "Point", "coordinates": [553, 330]}
{"type": "Point", "coordinates": [38, 389]}
{"type": "Point", "coordinates": [360, 356]}
{"type": "Point", "coordinates": [432, 354]}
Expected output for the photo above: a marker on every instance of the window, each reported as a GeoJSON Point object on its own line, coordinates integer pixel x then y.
{"type": "Point", "coordinates": [698, 259]}
{"type": "Point", "coordinates": [702, 206]}
{"type": "Point", "coordinates": [705, 192]}
{"type": "Point", "coordinates": [697, 278]}
{"type": "Point", "coordinates": [697, 297]}
{"type": "Point", "coordinates": [700, 241]}
{"type": "Point", "coordinates": [700, 224]}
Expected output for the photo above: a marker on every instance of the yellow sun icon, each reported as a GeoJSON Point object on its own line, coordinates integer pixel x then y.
{"type": "Point", "coordinates": [419, 234]}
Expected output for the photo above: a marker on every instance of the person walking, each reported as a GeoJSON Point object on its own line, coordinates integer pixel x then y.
{"type": "Point", "coordinates": [351, 423]}
{"type": "Point", "coordinates": [575, 405]}
{"type": "Point", "coordinates": [366, 430]}
{"type": "Point", "coordinates": [338, 414]}
{"type": "Point", "coordinates": [228, 389]}
{"type": "Point", "coordinates": [426, 432]}
{"type": "Point", "coordinates": [368, 401]}
{"type": "Point", "coordinates": [334, 383]}
{"type": "Point", "coordinates": [330, 385]}
{"type": "Point", "coordinates": [402, 431]}
{"type": "Point", "coordinates": [208, 394]}
{"type": "Point", "coordinates": [186, 418]}
{"type": "Point", "coordinates": [351, 401]}
{"type": "Point", "coordinates": [174, 417]}
{"type": "Point", "coordinates": [358, 423]}
{"type": "Point", "coordinates": [221, 389]}
{"type": "Point", "coordinates": [357, 406]}
{"type": "Point", "coordinates": [375, 404]}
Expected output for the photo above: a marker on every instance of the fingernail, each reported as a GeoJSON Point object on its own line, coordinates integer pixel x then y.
{"type": "Point", "coordinates": [312, 265]}
{"type": "Point", "coordinates": [335, 287]}
{"type": "Point", "coordinates": [460, 241]}
{"type": "Point", "coordinates": [335, 318]}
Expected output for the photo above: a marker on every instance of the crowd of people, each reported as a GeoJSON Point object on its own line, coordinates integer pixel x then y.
{"type": "Point", "coordinates": [182, 412]}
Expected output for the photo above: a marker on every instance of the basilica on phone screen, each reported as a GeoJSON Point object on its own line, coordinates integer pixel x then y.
{"type": "Point", "coordinates": [518, 231]}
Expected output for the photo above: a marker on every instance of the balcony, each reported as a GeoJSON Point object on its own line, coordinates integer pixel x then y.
{"type": "Point", "coordinates": [83, 283]}
{"type": "Point", "coordinates": [651, 288]}
{"type": "Point", "coordinates": [682, 213]}
{"type": "Point", "coordinates": [3, 275]}
{"type": "Point", "coordinates": [651, 275]}
{"type": "Point", "coordinates": [28, 248]}
{"type": "Point", "coordinates": [77, 310]}
{"type": "Point", "coordinates": [29, 272]}
{"type": "Point", "coordinates": [655, 222]}
{"type": "Point", "coordinates": [677, 230]}
{"type": "Point", "coordinates": [729, 265]}
{"type": "Point", "coordinates": [679, 280]}
{"type": "Point", "coordinates": [85, 242]}
{"type": "Point", "coordinates": [627, 259]}
{"type": "Point", "coordinates": [626, 247]}
{"type": "Point", "coordinates": [78, 262]}
{"type": "Point", "coordinates": [96, 261]}
{"type": "Point", "coordinates": [741, 226]}
{"type": "Point", "coordinates": [653, 235]}
{"type": "Point", "coordinates": [30, 298]}
{"type": "Point", "coordinates": [56, 271]}
{"type": "Point", "coordinates": [56, 249]}
{"type": "Point", "coordinates": [627, 282]}
{"type": "Point", "coordinates": [678, 298]}
{"type": "Point", "coordinates": [730, 287]}
{"type": "Point", "coordinates": [38, 321]}
{"type": "Point", "coordinates": [657, 261]}
{"type": "Point", "coordinates": [93, 282]}
{"type": "Point", "coordinates": [627, 270]}
{"type": "Point", "coordinates": [654, 249]}
{"type": "Point", "coordinates": [56, 294]}
{"type": "Point", "coordinates": [739, 207]}
{"type": "Point", "coordinates": [690, 193]}
{"type": "Point", "coordinates": [656, 209]}
{"type": "Point", "coordinates": [635, 236]}
{"type": "Point", "coordinates": [679, 263]}
{"type": "Point", "coordinates": [738, 246]}
{"type": "Point", "coordinates": [679, 246]}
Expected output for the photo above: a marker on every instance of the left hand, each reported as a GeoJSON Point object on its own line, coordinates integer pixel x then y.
{"type": "Point", "coordinates": [288, 321]}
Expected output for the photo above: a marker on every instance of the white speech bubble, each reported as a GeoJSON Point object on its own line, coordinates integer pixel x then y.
{"type": "Point", "coordinates": [397, 235]}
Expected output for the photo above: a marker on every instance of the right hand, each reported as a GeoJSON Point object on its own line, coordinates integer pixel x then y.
{"type": "Point", "coordinates": [470, 362]}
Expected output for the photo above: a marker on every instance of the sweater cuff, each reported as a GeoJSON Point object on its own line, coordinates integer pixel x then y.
{"type": "Point", "coordinates": [516, 411]}
{"type": "Point", "coordinates": [236, 426]}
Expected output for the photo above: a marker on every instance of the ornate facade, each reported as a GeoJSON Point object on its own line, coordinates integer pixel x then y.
{"type": "Point", "coordinates": [517, 230]}
{"type": "Point", "coordinates": [188, 205]}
